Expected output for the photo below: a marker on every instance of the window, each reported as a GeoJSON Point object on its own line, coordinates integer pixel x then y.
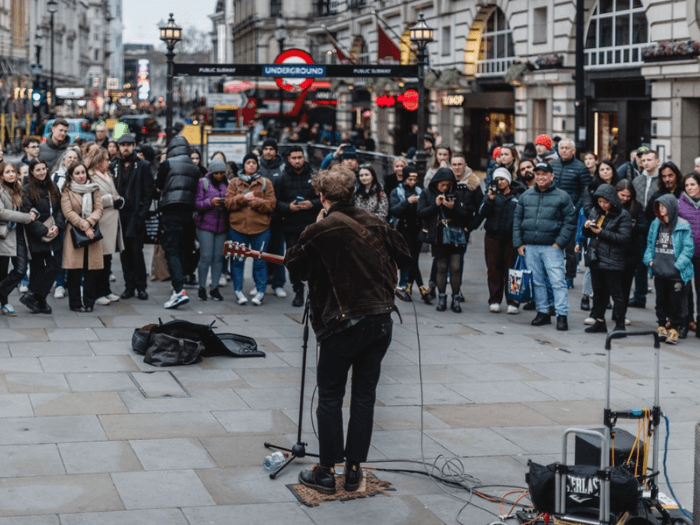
{"type": "Point", "coordinates": [539, 121]}
{"type": "Point", "coordinates": [97, 55]}
{"type": "Point", "coordinates": [446, 40]}
{"type": "Point", "coordinates": [539, 26]}
{"type": "Point", "coordinates": [617, 32]}
{"type": "Point", "coordinates": [496, 52]}
{"type": "Point", "coordinates": [275, 8]}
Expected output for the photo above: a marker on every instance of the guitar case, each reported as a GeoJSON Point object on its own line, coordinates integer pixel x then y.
{"type": "Point", "coordinates": [225, 345]}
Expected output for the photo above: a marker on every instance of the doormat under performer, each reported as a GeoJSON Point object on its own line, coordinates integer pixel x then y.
{"type": "Point", "coordinates": [370, 486]}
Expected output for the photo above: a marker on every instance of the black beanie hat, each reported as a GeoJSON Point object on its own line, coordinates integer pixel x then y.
{"type": "Point", "coordinates": [251, 156]}
{"type": "Point", "coordinates": [270, 142]}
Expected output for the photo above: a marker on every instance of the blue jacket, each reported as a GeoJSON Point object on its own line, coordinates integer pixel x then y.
{"type": "Point", "coordinates": [682, 237]}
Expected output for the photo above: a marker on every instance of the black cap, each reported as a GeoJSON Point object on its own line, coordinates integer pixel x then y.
{"type": "Point", "coordinates": [127, 139]}
{"type": "Point", "coordinates": [270, 142]}
{"type": "Point", "coordinates": [544, 166]}
{"type": "Point", "coordinates": [178, 127]}
{"type": "Point", "coordinates": [251, 156]}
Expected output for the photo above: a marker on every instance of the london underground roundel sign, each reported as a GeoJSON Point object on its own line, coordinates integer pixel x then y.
{"type": "Point", "coordinates": [294, 57]}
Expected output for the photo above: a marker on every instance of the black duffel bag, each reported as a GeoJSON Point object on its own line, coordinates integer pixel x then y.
{"type": "Point", "coordinates": [166, 350]}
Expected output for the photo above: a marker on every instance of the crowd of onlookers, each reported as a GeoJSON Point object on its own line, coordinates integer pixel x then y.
{"type": "Point", "coordinates": [66, 209]}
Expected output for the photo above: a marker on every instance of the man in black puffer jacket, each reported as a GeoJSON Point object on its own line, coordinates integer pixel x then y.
{"type": "Point", "coordinates": [545, 222]}
{"type": "Point", "coordinates": [572, 176]}
{"type": "Point", "coordinates": [177, 182]}
{"type": "Point", "coordinates": [297, 206]}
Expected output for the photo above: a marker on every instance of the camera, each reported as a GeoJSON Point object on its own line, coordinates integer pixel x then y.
{"type": "Point", "coordinates": [493, 186]}
{"type": "Point", "coordinates": [449, 196]}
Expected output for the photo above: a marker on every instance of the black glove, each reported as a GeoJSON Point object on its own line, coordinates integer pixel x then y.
{"type": "Point", "coordinates": [119, 203]}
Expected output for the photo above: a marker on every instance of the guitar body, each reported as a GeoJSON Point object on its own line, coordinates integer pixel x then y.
{"type": "Point", "coordinates": [241, 251]}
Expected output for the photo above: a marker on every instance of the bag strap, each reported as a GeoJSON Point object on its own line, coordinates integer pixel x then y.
{"type": "Point", "coordinates": [520, 263]}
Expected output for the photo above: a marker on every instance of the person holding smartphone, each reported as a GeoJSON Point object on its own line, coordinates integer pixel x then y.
{"type": "Point", "coordinates": [211, 221]}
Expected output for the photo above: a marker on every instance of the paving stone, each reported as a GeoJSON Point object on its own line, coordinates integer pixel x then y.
{"type": "Point", "coordinates": [269, 398]}
{"type": "Point", "coordinates": [15, 405]}
{"type": "Point", "coordinates": [55, 429]}
{"type": "Point", "coordinates": [158, 384]}
{"type": "Point", "coordinates": [486, 415]}
{"type": "Point", "coordinates": [433, 394]}
{"type": "Point", "coordinates": [103, 363]}
{"type": "Point", "coordinates": [111, 348]}
{"type": "Point", "coordinates": [241, 485]}
{"type": "Point", "coordinates": [255, 421]}
{"type": "Point", "coordinates": [59, 404]}
{"type": "Point", "coordinates": [383, 508]}
{"type": "Point", "coordinates": [30, 520]}
{"type": "Point", "coordinates": [197, 378]}
{"type": "Point", "coordinates": [5, 350]}
{"type": "Point", "coordinates": [205, 399]}
{"type": "Point", "coordinates": [57, 494]}
{"type": "Point", "coordinates": [127, 517]}
{"type": "Point", "coordinates": [67, 319]}
{"type": "Point", "coordinates": [172, 454]}
{"type": "Point", "coordinates": [115, 334]}
{"type": "Point", "coordinates": [469, 442]}
{"type": "Point", "coordinates": [102, 381]}
{"type": "Point", "coordinates": [23, 334]}
{"type": "Point", "coordinates": [71, 334]}
{"type": "Point", "coordinates": [99, 456]}
{"type": "Point", "coordinates": [405, 418]}
{"type": "Point", "coordinates": [165, 425]}
{"type": "Point", "coordinates": [243, 450]}
{"type": "Point", "coordinates": [48, 349]}
{"type": "Point", "coordinates": [402, 444]}
{"type": "Point", "coordinates": [499, 392]}
{"type": "Point", "coordinates": [20, 365]}
{"type": "Point", "coordinates": [172, 488]}
{"type": "Point", "coordinates": [247, 514]}
{"type": "Point", "coordinates": [36, 383]}
{"type": "Point", "coordinates": [30, 460]}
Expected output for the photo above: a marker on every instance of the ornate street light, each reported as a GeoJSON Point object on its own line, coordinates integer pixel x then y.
{"type": "Point", "coordinates": [171, 34]}
{"type": "Point", "coordinates": [281, 36]}
{"type": "Point", "coordinates": [52, 8]}
{"type": "Point", "coordinates": [421, 35]}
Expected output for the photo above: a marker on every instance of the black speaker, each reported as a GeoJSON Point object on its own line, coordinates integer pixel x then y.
{"type": "Point", "coordinates": [587, 449]}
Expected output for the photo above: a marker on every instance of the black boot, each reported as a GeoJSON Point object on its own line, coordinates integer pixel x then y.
{"type": "Point", "coordinates": [599, 327]}
{"type": "Point", "coordinates": [319, 478]}
{"type": "Point", "coordinates": [31, 301]}
{"type": "Point", "coordinates": [353, 476]}
{"type": "Point", "coordinates": [530, 306]}
{"type": "Point", "coordinates": [298, 298]}
{"type": "Point", "coordinates": [683, 331]}
{"type": "Point", "coordinates": [202, 294]}
{"type": "Point", "coordinates": [442, 302]}
{"type": "Point", "coordinates": [562, 323]}
{"type": "Point", "coordinates": [456, 307]}
{"type": "Point", "coordinates": [585, 303]}
{"type": "Point", "coordinates": [541, 319]}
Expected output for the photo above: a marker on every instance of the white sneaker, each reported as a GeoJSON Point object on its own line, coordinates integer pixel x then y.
{"type": "Point", "coordinates": [258, 299]}
{"type": "Point", "coordinates": [102, 301]}
{"type": "Point", "coordinates": [112, 278]}
{"type": "Point", "coordinates": [59, 292]}
{"type": "Point", "coordinates": [222, 280]}
{"type": "Point", "coordinates": [589, 321]}
{"type": "Point", "coordinates": [177, 299]}
{"type": "Point", "coordinates": [627, 322]}
{"type": "Point", "coordinates": [512, 309]}
{"type": "Point", "coordinates": [113, 297]}
{"type": "Point", "coordinates": [279, 292]}
{"type": "Point", "coordinates": [23, 288]}
{"type": "Point", "coordinates": [254, 292]}
{"type": "Point", "coordinates": [240, 297]}
{"type": "Point", "coordinates": [495, 308]}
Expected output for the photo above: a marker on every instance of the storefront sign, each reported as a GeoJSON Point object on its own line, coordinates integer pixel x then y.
{"type": "Point", "coordinates": [409, 99]}
{"type": "Point", "coordinates": [143, 81]}
{"type": "Point", "coordinates": [386, 101]}
{"type": "Point", "coordinates": [453, 100]}
{"type": "Point", "coordinates": [64, 92]}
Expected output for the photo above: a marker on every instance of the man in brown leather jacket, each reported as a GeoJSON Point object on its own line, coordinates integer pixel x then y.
{"type": "Point", "coordinates": [351, 269]}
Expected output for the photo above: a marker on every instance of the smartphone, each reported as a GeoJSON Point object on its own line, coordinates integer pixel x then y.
{"type": "Point", "coordinates": [298, 199]}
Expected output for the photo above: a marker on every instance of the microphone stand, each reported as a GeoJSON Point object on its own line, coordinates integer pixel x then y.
{"type": "Point", "coordinates": [298, 450]}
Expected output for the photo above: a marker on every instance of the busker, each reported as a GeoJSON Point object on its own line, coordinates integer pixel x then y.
{"type": "Point", "coordinates": [351, 291]}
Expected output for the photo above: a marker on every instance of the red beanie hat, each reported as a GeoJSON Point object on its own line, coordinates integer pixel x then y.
{"type": "Point", "coordinates": [544, 140]}
{"type": "Point", "coordinates": [496, 152]}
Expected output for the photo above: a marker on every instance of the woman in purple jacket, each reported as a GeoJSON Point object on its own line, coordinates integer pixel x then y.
{"type": "Point", "coordinates": [211, 220]}
{"type": "Point", "coordinates": [689, 209]}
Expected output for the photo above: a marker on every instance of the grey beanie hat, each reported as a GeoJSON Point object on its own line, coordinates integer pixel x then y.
{"type": "Point", "coordinates": [217, 166]}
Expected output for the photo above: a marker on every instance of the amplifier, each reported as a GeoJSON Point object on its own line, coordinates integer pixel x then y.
{"type": "Point", "coordinates": [587, 448]}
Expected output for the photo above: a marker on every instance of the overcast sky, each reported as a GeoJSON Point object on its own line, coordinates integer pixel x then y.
{"type": "Point", "coordinates": [141, 17]}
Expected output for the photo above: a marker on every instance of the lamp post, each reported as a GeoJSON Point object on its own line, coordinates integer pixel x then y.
{"type": "Point", "coordinates": [171, 34]}
{"type": "Point", "coordinates": [281, 36]}
{"type": "Point", "coordinates": [421, 35]}
{"type": "Point", "coordinates": [52, 7]}
{"type": "Point", "coordinates": [37, 81]}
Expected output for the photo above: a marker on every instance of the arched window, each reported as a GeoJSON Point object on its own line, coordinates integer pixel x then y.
{"type": "Point", "coordinates": [617, 32]}
{"type": "Point", "coordinates": [496, 52]}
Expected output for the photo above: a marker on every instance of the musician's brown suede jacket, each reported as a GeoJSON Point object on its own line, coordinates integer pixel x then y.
{"type": "Point", "coordinates": [347, 277]}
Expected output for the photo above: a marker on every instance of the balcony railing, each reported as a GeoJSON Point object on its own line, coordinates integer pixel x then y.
{"type": "Point", "coordinates": [325, 8]}
{"type": "Point", "coordinates": [494, 66]}
{"type": "Point", "coordinates": [618, 56]}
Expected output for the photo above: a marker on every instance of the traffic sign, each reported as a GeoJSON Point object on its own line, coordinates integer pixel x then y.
{"type": "Point", "coordinates": [298, 69]}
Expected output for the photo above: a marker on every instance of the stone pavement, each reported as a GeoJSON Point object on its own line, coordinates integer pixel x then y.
{"type": "Point", "coordinates": [90, 434]}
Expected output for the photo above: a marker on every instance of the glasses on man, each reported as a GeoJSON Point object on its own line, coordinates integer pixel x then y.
{"type": "Point", "coordinates": [33, 146]}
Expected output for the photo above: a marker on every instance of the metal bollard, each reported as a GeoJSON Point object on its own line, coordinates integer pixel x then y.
{"type": "Point", "coordinates": [696, 484]}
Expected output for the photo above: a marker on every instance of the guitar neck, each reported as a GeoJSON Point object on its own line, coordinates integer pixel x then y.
{"type": "Point", "coordinates": [267, 257]}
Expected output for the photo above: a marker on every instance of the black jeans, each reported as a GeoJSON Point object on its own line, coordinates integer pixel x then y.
{"type": "Point", "coordinates": [19, 270]}
{"type": "Point", "coordinates": [291, 239]}
{"type": "Point", "coordinates": [133, 265]}
{"type": "Point", "coordinates": [44, 268]}
{"type": "Point", "coordinates": [669, 301]}
{"type": "Point", "coordinates": [73, 283]}
{"type": "Point", "coordinates": [571, 258]}
{"type": "Point", "coordinates": [606, 284]}
{"type": "Point", "coordinates": [361, 347]}
{"type": "Point", "coordinates": [102, 287]}
{"type": "Point", "coordinates": [174, 241]}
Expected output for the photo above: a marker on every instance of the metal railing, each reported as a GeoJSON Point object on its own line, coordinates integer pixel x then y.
{"type": "Point", "coordinates": [603, 57]}
{"type": "Point", "coordinates": [494, 66]}
{"type": "Point", "coordinates": [382, 163]}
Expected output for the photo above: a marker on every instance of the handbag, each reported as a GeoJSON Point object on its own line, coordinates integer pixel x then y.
{"type": "Point", "coordinates": [80, 238]}
{"type": "Point", "coordinates": [49, 223]}
{"type": "Point", "coordinates": [4, 231]}
{"type": "Point", "coordinates": [590, 256]}
{"type": "Point", "coordinates": [166, 350]}
{"type": "Point", "coordinates": [520, 285]}
{"type": "Point", "coordinates": [452, 234]}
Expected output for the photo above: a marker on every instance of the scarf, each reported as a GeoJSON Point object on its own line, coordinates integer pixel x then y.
{"type": "Point", "coordinates": [86, 190]}
{"type": "Point", "coordinates": [248, 178]}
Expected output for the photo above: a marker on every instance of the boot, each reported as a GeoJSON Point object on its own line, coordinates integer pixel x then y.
{"type": "Point", "coordinates": [431, 292]}
{"type": "Point", "coordinates": [319, 478]}
{"type": "Point", "coordinates": [409, 287]}
{"type": "Point", "coordinates": [599, 327]}
{"type": "Point", "coordinates": [585, 303]}
{"type": "Point", "coordinates": [442, 302]}
{"type": "Point", "coordinates": [425, 295]}
{"type": "Point", "coordinates": [541, 319]}
{"type": "Point", "coordinates": [562, 323]}
{"type": "Point", "coordinates": [353, 476]}
{"type": "Point", "coordinates": [456, 308]}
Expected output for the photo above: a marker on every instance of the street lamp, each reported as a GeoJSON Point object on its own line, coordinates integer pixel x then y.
{"type": "Point", "coordinates": [52, 7]}
{"type": "Point", "coordinates": [171, 34]}
{"type": "Point", "coordinates": [281, 35]}
{"type": "Point", "coordinates": [421, 35]}
{"type": "Point", "coordinates": [37, 82]}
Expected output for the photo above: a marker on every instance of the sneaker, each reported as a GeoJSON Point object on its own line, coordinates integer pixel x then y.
{"type": "Point", "coordinates": [589, 321]}
{"type": "Point", "coordinates": [177, 299]}
{"type": "Point", "coordinates": [663, 334]}
{"type": "Point", "coordinates": [222, 280]}
{"type": "Point", "coordinates": [258, 299]}
{"type": "Point", "coordinates": [113, 297]}
{"type": "Point", "coordinates": [8, 310]}
{"type": "Point", "coordinates": [23, 288]}
{"type": "Point", "coordinates": [216, 294]}
{"type": "Point", "coordinates": [102, 301]}
{"type": "Point", "coordinates": [672, 338]}
{"type": "Point", "coordinates": [569, 283]}
{"type": "Point", "coordinates": [254, 292]}
{"type": "Point", "coordinates": [279, 292]}
{"type": "Point", "coordinates": [112, 278]}
{"type": "Point", "coordinates": [202, 294]}
{"type": "Point", "coordinates": [240, 297]}
{"type": "Point", "coordinates": [512, 309]}
{"type": "Point", "coordinates": [627, 322]}
{"type": "Point", "coordinates": [59, 292]}
{"type": "Point", "coordinates": [494, 308]}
